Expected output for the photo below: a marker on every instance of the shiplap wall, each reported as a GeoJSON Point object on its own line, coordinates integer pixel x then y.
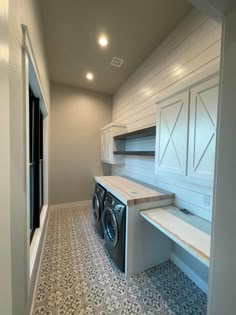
{"type": "Point", "coordinates": [190, 51]}
{"type": "Point", "coordinates": [193, 47]}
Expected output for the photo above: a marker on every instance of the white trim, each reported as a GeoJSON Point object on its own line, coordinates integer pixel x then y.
{"type": "Point", "coordinates": [190, 273]}
{"type": "Point", "coordinates": [32, 77]}
{"type": "Point", "coordinates": [37, 238]}
{"type": "Point", "coordinates": [27, 47]}
{"type": "Point", "coordinates": [71, 204]}
{"type": "Point", "coordinates": [35, 274]}
{"type": "Point", "coordinates": [113, 124]}
{"type": "Point", "coordinates": [27, 172]}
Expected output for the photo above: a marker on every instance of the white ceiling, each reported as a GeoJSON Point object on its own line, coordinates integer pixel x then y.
{"type": "Point", "coordinates": [135, 28]}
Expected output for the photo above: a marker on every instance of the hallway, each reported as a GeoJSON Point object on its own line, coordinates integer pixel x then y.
{"type": "Point", "coordinates": [77, 277]}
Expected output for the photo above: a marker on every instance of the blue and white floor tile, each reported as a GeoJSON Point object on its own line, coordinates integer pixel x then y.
{"type": "Point", "coordinates": [77, 277]}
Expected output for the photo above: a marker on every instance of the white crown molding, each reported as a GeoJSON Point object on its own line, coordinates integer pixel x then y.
{"type": "Point", "coordinates": [28, 48]}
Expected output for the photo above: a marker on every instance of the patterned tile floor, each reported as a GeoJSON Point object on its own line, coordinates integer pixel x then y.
{"type": "Point", "coordinates": [77, 277]}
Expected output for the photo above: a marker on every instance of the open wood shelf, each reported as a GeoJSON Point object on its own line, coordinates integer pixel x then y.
{"type": "Point", "coordinates": [146, 132]}
{"type": "Point", "coordinates": [143, 153]}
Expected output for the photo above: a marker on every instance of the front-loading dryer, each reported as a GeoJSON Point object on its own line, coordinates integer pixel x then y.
{"type": "Point", "coordinates": [114, 224]}
{"type": "Point", "coordinates": [97, 207]}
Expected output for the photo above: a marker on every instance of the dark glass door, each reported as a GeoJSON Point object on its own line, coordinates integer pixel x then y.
{"type": "Point", "coordinates": [36, 161]}
{"type": "Point", "coordinates": [41, 162]}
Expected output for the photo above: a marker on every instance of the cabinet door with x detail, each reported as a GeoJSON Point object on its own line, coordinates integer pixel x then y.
{"type": "Point", "coordinates": [172, 135]}
{"type": "Point", "coordinates": [202, 129]}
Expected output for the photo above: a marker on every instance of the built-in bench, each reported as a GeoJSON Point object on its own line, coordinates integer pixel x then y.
{"type": "Point", "coordinates": [187, 230]}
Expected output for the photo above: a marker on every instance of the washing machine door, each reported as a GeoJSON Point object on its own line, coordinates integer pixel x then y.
{"type": "Point", "coordinates": [96, 208]}
{"type": "Point", "coordinates": [110, 226]}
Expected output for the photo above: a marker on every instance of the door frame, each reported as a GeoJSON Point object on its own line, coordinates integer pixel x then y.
{"type": "Point", "coordinates": [32, 79]}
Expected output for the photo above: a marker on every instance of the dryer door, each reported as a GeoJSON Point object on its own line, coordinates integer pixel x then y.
{"type": "Point", "coordinates": [110, 226]}
{"type": "Point", "coordinates": [96, 208]}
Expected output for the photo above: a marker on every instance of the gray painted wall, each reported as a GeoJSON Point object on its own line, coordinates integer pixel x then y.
{"type": "Point", "coordinates": [77, 116]}
{"type": "Point", "coordinates": [5, 213]}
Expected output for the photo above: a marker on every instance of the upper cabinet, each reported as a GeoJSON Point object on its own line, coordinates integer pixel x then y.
{"type": "Point", "coordinates": [108, 145]}
{"type": "Point", "coordinates": [202, 129]}
{"type": "Point", "coordinates": [186, 132]}
{"type": "Point", "coordinates": [172, 135]}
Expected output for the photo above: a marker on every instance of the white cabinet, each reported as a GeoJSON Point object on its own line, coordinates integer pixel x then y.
{"type": "Point", "coordinates": [172, 134]}
{"type": "Point", "coordinates": [108, 145]}
{"type": "Point", "coordinates": [105, 147]}
{"type": "Point", "coordinates": [186, 132]}
{"type": "Point", "coordinates": [202, 129]}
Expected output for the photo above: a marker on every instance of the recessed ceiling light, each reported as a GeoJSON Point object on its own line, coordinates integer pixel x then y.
{"type": "Point", "coordinates": [89, 76]}
{"type": "Point", "coordinates": [103, 41]}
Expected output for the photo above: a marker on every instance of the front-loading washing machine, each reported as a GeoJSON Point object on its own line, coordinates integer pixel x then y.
{"type": "Point", "coordinates": [114, 225]}
{"type": "Point", "coordinates": [97, 207]}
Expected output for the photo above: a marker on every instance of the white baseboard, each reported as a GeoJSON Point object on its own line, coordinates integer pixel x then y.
{"type": "Point", "coordinates": [190, 273]}
{"type": "Point", "coordinates": [35, 254]}
{"type": "Point", "coordinates": [37, 239]}
{"type": "Point", "coordinates": [71, 204]}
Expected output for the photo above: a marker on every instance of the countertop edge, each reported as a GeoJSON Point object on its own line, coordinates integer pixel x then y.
{"type": "Point", "coordinates": [131, 202]}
